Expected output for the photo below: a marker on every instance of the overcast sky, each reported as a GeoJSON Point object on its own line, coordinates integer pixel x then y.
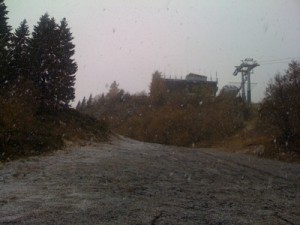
{"type": "Point", "coordinates": [127, 40]}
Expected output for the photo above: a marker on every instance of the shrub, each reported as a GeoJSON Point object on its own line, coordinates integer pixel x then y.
{"type": "Point", "coordinates": [280, 109]}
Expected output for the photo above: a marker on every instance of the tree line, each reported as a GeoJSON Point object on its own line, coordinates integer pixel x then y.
{"type": "Point", "coordinates": [39, 64]}
{"type": "Point", "coordinates": [37, 76]}
{"type": "Point", "coordinates": [174, 118]}
{"type": "Point", "coordinates": [200, 119]}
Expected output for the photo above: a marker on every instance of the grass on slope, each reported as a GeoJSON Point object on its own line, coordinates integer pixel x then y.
{"type": "Point", "coordinates": [47, 130]}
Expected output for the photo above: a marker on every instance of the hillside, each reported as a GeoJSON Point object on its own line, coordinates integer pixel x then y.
{"type": "Point", "coordinates": [255, 140]}
{"type": "Point", "coordinates": [177, 113]}
{"type": "Point", "coordinates": [46, 130]}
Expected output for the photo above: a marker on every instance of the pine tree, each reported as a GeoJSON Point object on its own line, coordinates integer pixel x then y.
{"type": "Point", "coordinates": [90, 100]}
{"type": "Point", "coordinates": [67, 65]}
{"type": "Point", "coordinates": [78, 106]}
{"type": "Point", "coordinates": [113, 90]}
{"type": "Point", "coordinates": [44, 47]}
{"type": "Point", "coordinates": [54, 68]}
{"type": "Point", "coordinates": [4, 47]}
{"type": "Point", "coordinates": [20, 53]}
{"type": "Point", "coordinates": [83, 103]}
{"type": "Point", "coordinates": [158, 89]}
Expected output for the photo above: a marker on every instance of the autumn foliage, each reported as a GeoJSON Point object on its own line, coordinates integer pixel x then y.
{"type": "Point", "coordinates": [280, 109]}
{"type": "Point", "coordinates": [169, 118]}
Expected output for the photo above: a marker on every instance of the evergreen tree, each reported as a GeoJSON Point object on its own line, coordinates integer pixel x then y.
{"type": "Point", "coordinates": [90, 100]}
{"type": "Point", "coordinates": [20, 53]}
{"type": "Point", "coordinates": [83, 103]}
{"type": "Point", "coordinates": [54, 68]}
{"type": "Point", "coordinates": [158, 89]}
{"type": "Point", "coordinates": [44, 48]}
{"type": "Point", "coordinates": [67, 65]}
{"type": "Point", "coordinates": [113, 90]}
{"type": "Point", "coordinates": [78, 106]}
{"type": "Point", "coordinates": [4, 47]}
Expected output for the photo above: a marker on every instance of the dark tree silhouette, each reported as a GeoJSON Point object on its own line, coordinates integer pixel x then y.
{"type": "Point", "coordinates": [157, 89]}
{"type": "Point", "coordinates": [20, 53]}
{"type": "Point", "coordinates": [90, 100]}
{"type": "Point", "coordinates": [44, 58]}
{"type": "Point", "coordinates": [78, 106]}
{"type": "Point", "coordinates": [4, 47]}
{"type": "Point", "coordinates": [280, 109]}
{"type": "Point", "coordinates": [53, 69]}
{"type": "Point", "coordinates": [113, 90]}
{"type": "Point", "coordinates": [83, 103]}
{"type": "Point", "coordinates": [67, 65]}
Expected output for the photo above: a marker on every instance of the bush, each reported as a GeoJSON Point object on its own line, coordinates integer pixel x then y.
{"type": "Point", "coordinates": [26, 129]}
{"type": "Point", "coordinates": [183, 125]}
{"type": "Point", "coordinates": [280, 109]}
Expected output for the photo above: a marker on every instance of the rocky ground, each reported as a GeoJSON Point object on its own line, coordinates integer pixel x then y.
{"type": "Point", "coordinates": [129, 182]}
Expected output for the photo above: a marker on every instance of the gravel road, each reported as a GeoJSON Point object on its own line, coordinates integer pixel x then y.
{"type": "Point", "coordinates": [129, 182]}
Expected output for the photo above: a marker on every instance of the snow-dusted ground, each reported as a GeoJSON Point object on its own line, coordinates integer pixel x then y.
{"type": "Point", "coordinates": [130, 182]}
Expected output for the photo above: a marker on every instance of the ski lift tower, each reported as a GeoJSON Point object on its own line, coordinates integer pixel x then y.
{"type": "Point", "coordinates": [245, 69]}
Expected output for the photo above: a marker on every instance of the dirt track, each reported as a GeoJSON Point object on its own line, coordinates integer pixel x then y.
{"type": "Point", "coordinates": [130, 182]}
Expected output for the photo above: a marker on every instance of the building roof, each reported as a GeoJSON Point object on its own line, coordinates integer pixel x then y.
{"type": "Point", "coordinates": [190, 82]}
{"type": "Point", "coordinates": [195, 77]}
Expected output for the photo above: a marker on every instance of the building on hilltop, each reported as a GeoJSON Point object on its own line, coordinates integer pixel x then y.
{"type": "Point", "coordinates": [192, 84]}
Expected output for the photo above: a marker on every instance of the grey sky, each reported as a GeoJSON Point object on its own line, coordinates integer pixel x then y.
{"type": "Point", "coordinates": [127, 40]}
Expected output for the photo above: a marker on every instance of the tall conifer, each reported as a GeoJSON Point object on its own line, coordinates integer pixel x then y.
{"type": "Point", "coordinates": [4, 47]}
{"type": "Point", "coordinates": [20, 53]}
{"type": "Point", "coordinates": [54, 68]}
{"type": "Point", "coordinates": [44, 48]}
{"type": "Point", "coordinates": [67, 65]}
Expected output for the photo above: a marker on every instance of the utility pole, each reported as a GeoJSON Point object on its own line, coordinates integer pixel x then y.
{"type": "Point", "coordinates": [245, 69]}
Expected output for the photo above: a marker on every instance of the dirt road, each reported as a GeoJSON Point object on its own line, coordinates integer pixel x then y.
{"type": "Point", "coordinates": [130, 182]}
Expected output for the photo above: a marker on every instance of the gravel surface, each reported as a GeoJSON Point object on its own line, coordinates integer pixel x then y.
{"type": "Point", "coordinates": [129, 182]}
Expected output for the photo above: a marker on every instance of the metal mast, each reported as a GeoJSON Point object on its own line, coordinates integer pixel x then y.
{"type": "Point", "coordinates": [245, 69]}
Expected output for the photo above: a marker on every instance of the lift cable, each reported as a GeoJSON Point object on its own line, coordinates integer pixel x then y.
{"type": "Point", "coordinates": [277, 61]}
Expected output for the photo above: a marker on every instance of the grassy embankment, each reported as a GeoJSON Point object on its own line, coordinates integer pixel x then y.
{"type": "Point", "coordinates": [26, 131]}
{"type": "Point", "coordinates": [256, 139]}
